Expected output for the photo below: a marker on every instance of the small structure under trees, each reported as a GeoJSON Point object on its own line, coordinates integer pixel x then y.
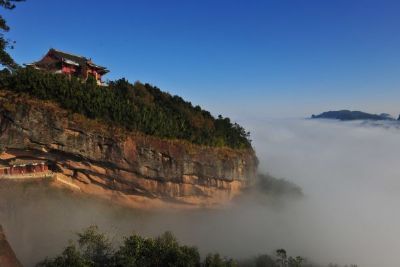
{"type": "Point", "coordinates": [56, 61]}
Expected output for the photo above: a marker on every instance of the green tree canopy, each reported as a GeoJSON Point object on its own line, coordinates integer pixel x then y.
{"type": "Point", "coordinates": [5, 58]}
{"type": "Point", "coordinates": [95, 250]}
{"type": "Point", "coordinates": [136, 107]}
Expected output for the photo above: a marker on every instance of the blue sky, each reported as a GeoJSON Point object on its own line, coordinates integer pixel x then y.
{"type": "Point", "coordinates": [238, 58]}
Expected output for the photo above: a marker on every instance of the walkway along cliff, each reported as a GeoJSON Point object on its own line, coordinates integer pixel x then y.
{"type": "Point", "coordinates": [112, 163]}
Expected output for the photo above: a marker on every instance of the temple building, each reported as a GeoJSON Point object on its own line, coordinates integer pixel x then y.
{"type": "Point", "coordinates": [56, 61]}
{"type": "Point", "coordinates": [21, 167]}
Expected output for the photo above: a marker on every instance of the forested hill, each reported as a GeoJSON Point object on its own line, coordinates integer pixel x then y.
{"type": "Point", "coordinates": [138, 107]}
{"type": "Point", "coordinates": [347, 115]}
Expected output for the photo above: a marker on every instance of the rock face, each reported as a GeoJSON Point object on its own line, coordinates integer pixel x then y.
{"type": "Point", "coordinates": [125, 166]}
{"type": "Point", "coordinates": [7, 255]}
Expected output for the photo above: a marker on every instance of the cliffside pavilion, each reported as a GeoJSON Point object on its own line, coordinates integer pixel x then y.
{"type": "Point", "coordinates": [22, 167]}
{"type": "Point", "coordinates": [57, 61]}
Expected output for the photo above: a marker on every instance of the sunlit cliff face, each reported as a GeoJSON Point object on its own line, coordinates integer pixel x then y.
{"type": "Point", "coordinates": [113, 163]}
{"type": "Point", "coordinates": [348, 172]}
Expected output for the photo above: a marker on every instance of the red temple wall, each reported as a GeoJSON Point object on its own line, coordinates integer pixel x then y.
{"type": "Point", "coordinates": [68, 69]}
{"type": "Point", "coordinates": [18, 170]}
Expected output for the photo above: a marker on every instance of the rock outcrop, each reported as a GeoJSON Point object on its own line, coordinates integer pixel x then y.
{"type": "Point", "coordinates": [7, 255]}
{"type": "Point", "coordinates": [113, 163]}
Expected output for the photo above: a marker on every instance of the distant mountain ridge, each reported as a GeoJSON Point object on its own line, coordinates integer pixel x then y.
{"type": "Point", "coordinates": [348, 115]}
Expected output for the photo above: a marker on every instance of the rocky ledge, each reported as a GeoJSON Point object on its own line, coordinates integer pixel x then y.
{"type": "Point", "coordinates": [7, 255]}
{"type": "Point", "coordinates": [113, 163]}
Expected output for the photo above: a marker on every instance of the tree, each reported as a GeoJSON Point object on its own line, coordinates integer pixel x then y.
{"type": "Point", "coordinates": [265, 261]}
{"type": "Point", "coordinates": [296, 262]}
{"type": "Point", "coordinates": [281, 257]}
{"type": "Point", "coordinates": [215, 260]}
{"type": "Point", "coordinates": [96, 247]}
{"type": "Point", "coordinates": [70, 257]}
{"type": "Point", "coordinates": [94, 251]}
{"type": "Point", "coordinates": [5, 58]}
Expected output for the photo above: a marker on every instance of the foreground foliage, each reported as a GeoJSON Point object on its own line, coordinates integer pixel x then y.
{"type": "Point", "coordinates": [139, 107]}
{"type": "Point", "coordinates": [94, 249]}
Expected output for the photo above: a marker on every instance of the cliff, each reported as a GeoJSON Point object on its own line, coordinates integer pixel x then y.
{"type": "Point", "coordinates": [7, 255]}
{"type": "Point", "coordinates": [113, 163]}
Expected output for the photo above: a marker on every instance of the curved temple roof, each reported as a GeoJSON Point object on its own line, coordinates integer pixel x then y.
{"type": "Point", "coordinates": [72, 59]}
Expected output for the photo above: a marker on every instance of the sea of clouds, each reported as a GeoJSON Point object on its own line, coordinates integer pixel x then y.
{"type": "Point", "coordinates": [349, 173]}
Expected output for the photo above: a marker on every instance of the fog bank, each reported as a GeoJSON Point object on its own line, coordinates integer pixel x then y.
{"type": "Point", "coordinates": [351, 176]}
{"type": "Point", "coordinates": [348, 172]}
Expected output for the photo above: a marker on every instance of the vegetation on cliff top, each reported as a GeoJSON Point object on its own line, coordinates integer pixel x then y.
{"type": "Point", "coordinates": [138, 107]}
